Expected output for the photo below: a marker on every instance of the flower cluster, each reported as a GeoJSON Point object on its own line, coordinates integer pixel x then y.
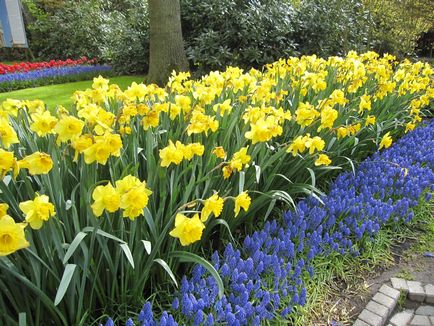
{"type": "Point", "coordinates": [130, 194]}
{"type": "Point", "coordinates": [288, 108]}
{"type": "Point", "coordinates": [12, 236]}
{"type": "Point", "coordinates": [215, 152]}
{"type": "Point", "coordinates": [265, 276]}
{"type": "Point", "coordinates": [51, 72]}
{"type": "Point", "coordinates": [29, 66]}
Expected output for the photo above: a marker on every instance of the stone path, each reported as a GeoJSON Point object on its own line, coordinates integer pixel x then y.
{"type": "Point", "coordinates": [381, 310]}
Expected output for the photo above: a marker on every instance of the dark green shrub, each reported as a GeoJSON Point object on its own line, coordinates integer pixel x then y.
{"type": "Point", "coordinates": [238, 33]}
{"type": "Point", "coordinates": [70, 31]}
{"type": "Point", "coordinates": [127, 39]}
{"type": "Point", "coordinates": [332, 27]}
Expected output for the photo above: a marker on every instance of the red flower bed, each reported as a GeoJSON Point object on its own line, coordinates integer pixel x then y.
{"type": "Point", "coordinates": [28, 66]}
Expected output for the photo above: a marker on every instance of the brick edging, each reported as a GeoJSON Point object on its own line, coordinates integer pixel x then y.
{"type": "Point", "coordinates": [382, 304]}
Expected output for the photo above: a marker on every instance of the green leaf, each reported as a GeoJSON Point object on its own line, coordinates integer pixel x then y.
{"type": "Point", "coordinates": [22, 319]}
{"type": "Point", "coordinates": [185, 256]}
{"type": "Point", "coordinates": [218, 221]}
{"type": "Point", "coordinates": [241, 182]}
{"type": "Point", "coordinates": [312, 176]}
{"type": "Point", "coordinates": [167, 269]}
{"type": "Point", "coordinates": [270, 208]}
{"type": "Point", "coordinates": [128, 254]}
{"type": "Point", "coordinates": [351, 163]}
{"type": "Point", "coordinates": [41, 294]}
{"type": "Point", "coordinates": [102, 233]}
{"type": "Point", "coordinates": [257, 172]}
{"type": "Point", "coordinates": [64, 282]}
{"type": "Point", "coordinates": [148, 246]}
{"type": "Point", "coordinates": [73, 246]}
{"type": "Point", "coordinates": [150, 221]}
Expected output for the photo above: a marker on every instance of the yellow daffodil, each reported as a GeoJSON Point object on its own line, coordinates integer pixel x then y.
{"type": "Point", "coordinates": [151, 119]}
{"type": "Point", "coordinates": [187, 230]}
{"type": "Point", "coordinates": [227, 171]}
{"type": "Point", "coordinates": [243, 201]}
{"type": "Point", "coordinates": [3, 209]}
{"type": "Point", "coordinates": [219, 152]}
{"type": "Point", "coordinates": [386, 141]}
{"type": "Point", "coordinates": [37, 211]}
{"type": "Point", "coordinates": [193, 149]}
{"type": "Point", "coordinates": [328, 117]}
{"type": "Point", "coordinates": [105, 198]}
{"type": "Point", "coordinates": [338, 97]}
{"type": "Point", "coordinates": [323, 159]}
{"type": "Point", "coordinates": [315, 144]}
{"type": "Point", "coordinates": [36, 163]}
{"type": "Point", "coordinates": [8, 136]}
{"type": "Point", "coordinates": [172, 154]}
{"type": "Point", "coordinates": [136, 91]}
{"type": "Point", "coordinates": [80, 144]}
{"type": "Point", "coordinates": [370, 120]}
{"type": "Point", "coordinates": [184, 102]}
{"type": "Point", "coordinates": [239, 159]}
{"type": "Point", "coordinates": [7, 162]}
{"type": "Point", "coordinates": [134, 196]}
{"type": "Point", "coordinates": [223, 107]}
{"type": "Point", "coordinates": [200, 122]}
{"type": "Point", "coordinates": [104, 146]}
{"type": "Point", "coordinates": [213, 204]}
{"type": "Point", "coordinates": [43, 123]}
{"type": "Point", "coordinates": [298, 145]}
{"type": "Point", "coordinates": [365, 103]}
{"type": "Point", "coordinates": [10, 107]}
{"type": "Point", "coordinates": [264, 129]}
{"type": "Point", "coordinates": [100, 83]}
{"type": "Point", "coordinates": [12, 237]}
{"type": "Point", "coordinates": [409, 126]}
{"type": "Point", "coordinates": [305, 114]}
{"type": "Point", "coordinates": [34, 106]}
{"type": "Point", "coordinates": [68, 128]}
{"type": "Point", "coordinates": [342, 132]}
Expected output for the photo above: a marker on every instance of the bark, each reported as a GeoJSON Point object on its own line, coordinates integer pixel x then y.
{"type": "Point", "coordinates": [166, 44]}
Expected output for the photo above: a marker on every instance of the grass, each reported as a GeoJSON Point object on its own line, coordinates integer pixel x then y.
{"type": "Point", "coordinates": [53, 95]}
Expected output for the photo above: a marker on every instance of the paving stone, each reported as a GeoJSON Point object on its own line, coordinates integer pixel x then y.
{"type": "Point", "coordinates": [370, 318]}
{"type": "Point", "coordinates": [429, 291]}
{"type": "Point", "coordinates": [391, 292]}
{"type": "Point", "coordinates": [402, 318]}
{"type": "Point", "coordinates": [360, 323]}
{"type": "Point", "coordinates": [420, 321]}
{"type": "Point", "coordinates": [416, 291]}
{"type": "Point", "coordinates": [385, 300]}
{"type": "Point", "coordinates": [425, 311]}
{"type": "Point", "coordinates": [399, 284]}
{"type": "Point", "coordinates": [378, 309]}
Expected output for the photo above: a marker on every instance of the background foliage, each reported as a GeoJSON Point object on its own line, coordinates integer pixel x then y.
{"type": "Point", "coordinates": [228, 32]}
{"type": "Point", "coordinates": [241, 33]}
{"type": "Point", "coordinates": [330, 27]}
{"type": "Point", "coordinates": [399, 24]}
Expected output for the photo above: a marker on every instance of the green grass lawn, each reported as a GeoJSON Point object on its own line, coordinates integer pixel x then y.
{"type": "Point", "coordinates": [61, 94]}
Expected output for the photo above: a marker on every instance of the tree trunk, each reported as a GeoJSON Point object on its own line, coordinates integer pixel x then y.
{"type": "Point", "coordinates": [166, 44]}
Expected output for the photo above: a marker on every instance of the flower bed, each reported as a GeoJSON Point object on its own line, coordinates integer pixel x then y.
{"type": "Point", "coordinates": [52, 75]}
{"type": "Point", "coordinates": [29, 66]}
{"type": "Point", "coordinates": [265, 275]}
{"type": "Point", "coordinates": [114, 195]}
